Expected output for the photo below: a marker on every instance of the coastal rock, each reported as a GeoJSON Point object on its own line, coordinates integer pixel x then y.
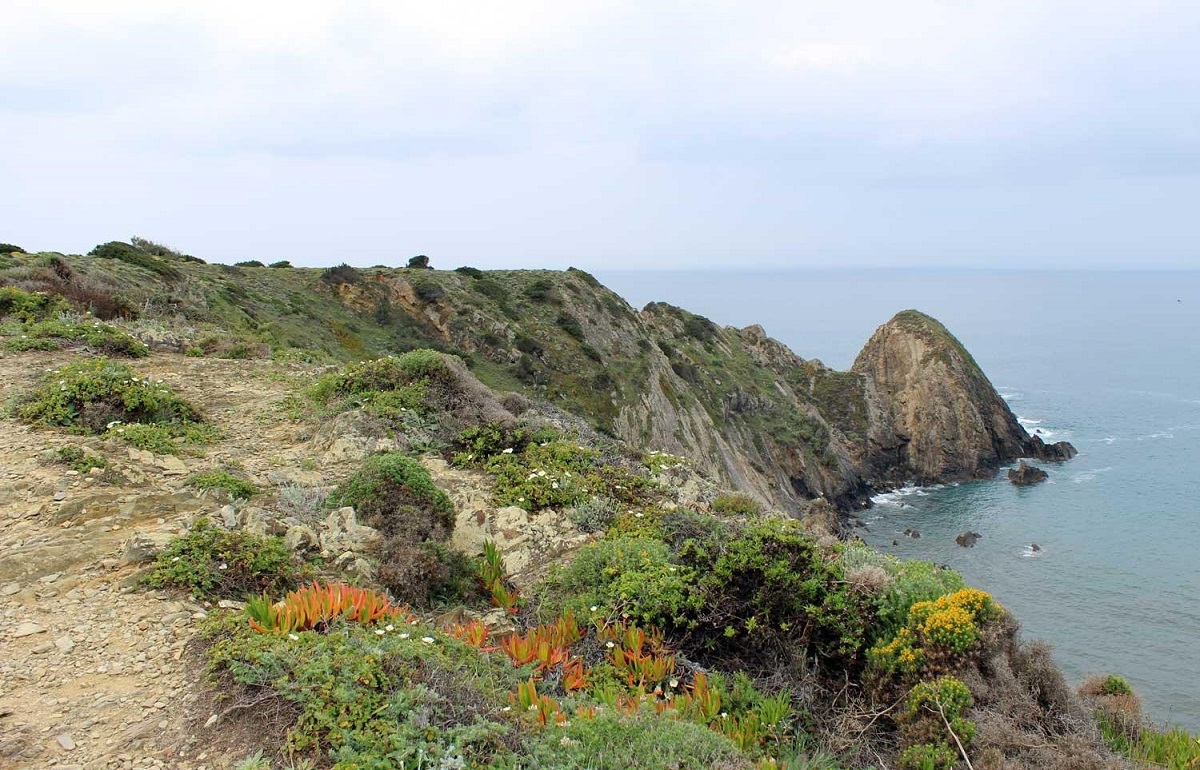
{"type": "Point", "coordinates": [1059, 451]}
{"type": "Point", "coordinates": [341, 533]}
{"type": "Point", "coordinates": [968, 539]}
{"type": "Point", "coordinates": [933, 414]}
{"type": "Point", "coordinates": [1026, 475]}
{"type": "Point", "coordinates": [910, 532]}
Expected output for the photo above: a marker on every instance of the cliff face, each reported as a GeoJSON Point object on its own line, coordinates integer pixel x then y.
{"type": "Point", "coordinates": [934, 415]}
{"type": "Point", "coordinates": [745, 408]}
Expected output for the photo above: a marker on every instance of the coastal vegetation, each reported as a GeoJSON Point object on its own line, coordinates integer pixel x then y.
{"type": "Point", "coordinates": [510, 557]}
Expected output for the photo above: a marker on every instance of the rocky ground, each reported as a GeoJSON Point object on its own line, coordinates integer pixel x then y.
{"type": "Point", "coordinates": [94, 672]}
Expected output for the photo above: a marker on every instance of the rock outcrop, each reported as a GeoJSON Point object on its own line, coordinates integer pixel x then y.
{"type": "Point", "coordinates": [1059, 451]}
{"type": "Point", "coordinates": [1025, 475]}
{"type": "Point", "coordinates": [933, 414]}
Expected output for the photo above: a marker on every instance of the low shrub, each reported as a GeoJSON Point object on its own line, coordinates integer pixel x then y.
{"type": "Point", "coordinates": [29, 306]}
{"type": "Point", "coordinates": [159, 250]}
{"type": "Point", "coordinates": [933, 725]}
{"type": "Point", "coordinates": [341, 274]}
{"type": "Point", "coordinates": [9, 248]}
{"type": "Point", "coordinates": [102, 337]}
{"type": "Point", "coordinates": [238, 487]}
{"type": "Point", "coordinates": [571, 325]}
{"type": "Point", "coordinates": [470, 272]}
{"type": "Point", "coordinates": [594, 514]}
{"type": "Point", "coordinates": [78, 459]}
{"type": "Point", "coordinates": [736, 504]}
{"type": "Point", "coordinates": [371, 696]}
{"type": "Point", "coordinates": [427, 574]}
{"type": "Point", "coordinates": [615, 741]}
{"type": "Point", "coordinates": [250, 263]}
{"type": "Point", "coordinates": [936, 630]}
{"type": "Point", "coordinates": [96, 394]}
{"type": "Point", "coordinates": [165, 439]}
{"type": "Point", "coordinates": [212, 562]}
{"type": "Point", "coordinates": [540, 290]}
{"type": "Point", "coordinates": [132, 255]}
{"type": "Point", "coordinates": [280, 264]}
{"type": "Point", "coordinates": [395, 494]}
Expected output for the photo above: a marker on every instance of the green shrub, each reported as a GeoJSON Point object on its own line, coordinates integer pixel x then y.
{"type": "Point", "coordinates": [471, 272]}
{"type": "Point", "coordinates": [570, 324]}
{"type": "Point", "coordinates": [736, 504]}
{"type": "Point", "coordinates": [611, 741]}
{"type": "Point", "coordinates": [395, 494]}
{"type": "Point", "coordinates": [280, 263]}
{"type": "Point", "coordinates": [625, 576]}
{"type": "Point", "coordinates": [594, 514]}
{"type": "Point", "coordinates": [212, 562]}
{"type": "Point", "coordinates": [22, 344]}
{"type": "Point", "coordinates": [1115, 685]}
{"type": "Point", "coordinates": [427, 574]}
{"type": "Point", "coordinates": [238, 487]}
{"type": "Point", "coordinates": [95, 394]}
{"type": "Point", "coordinates": [371, 698]}
{"type": "Point", "coordinates": [29, 306]}
{"type": "Point", "coordinates": [427, 290]}
{"type": "Point", "coordinates": [100, 336]}
{"type": "Point", "coordinates": [131, 255]}
{"type": "Point", "coordinates": [164, 439]}
{"type": "Point", "coordinates": [249, 263]}
{"type": "Point", "coordinates": [540, 290]}
{"type": "Point", "coordinates": [928, 709]}
{"type": "Point", "coordinates": [159, 250]}
{"type": "Point", "coordinates": [9, 248]}
{"type": "Point", "coordinates": [78, 459]}
{"type": "Point", "coordinates": [340, 274]}
{"type": "Point", "coordinates": [912, 582]}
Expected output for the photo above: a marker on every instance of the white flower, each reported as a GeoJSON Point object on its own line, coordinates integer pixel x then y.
{"type": "Point", "coordinates": [554, 485]}
{"type": "Point", "coordinates": [379, 632]}
{"type": "Point", "coordinates": [507, 708]}
{"type": "Point", "coordinates": [405, 636]}
{"type": "Point", "coordinates": [674, 683]}
{"type": "Point", "coordinates": [293, 637]}
{"type": "Point", "coordinates": [427, 639]}
{"type": "Point", "coordinates": [594, 608]}
{"type": "Point", "coordinates": [390, 627]}
{"type": "Point", "coordinates": [507, 451]}
{"type": "Point", "coordinates": [638, 515]}
{"type": "Point", "coordinates": [541, 473]}
{"type": "Point", "coordinates": [610, 645]}
{"type": "Point", "coordinates": [223, 566]}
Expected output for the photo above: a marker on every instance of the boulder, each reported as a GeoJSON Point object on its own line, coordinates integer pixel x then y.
{"type": "Point", "coordinates": [968, 539]}
{"type": "Point", "coordinates": [341, 533]}
{"type": "Point", "coordinates": [1056, 452]}
{"type": "Point", "coordinates": [1026, 475]}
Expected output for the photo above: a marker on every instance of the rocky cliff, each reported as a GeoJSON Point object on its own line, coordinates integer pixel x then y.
{"type": "Point", "coordinates": [745, 408]}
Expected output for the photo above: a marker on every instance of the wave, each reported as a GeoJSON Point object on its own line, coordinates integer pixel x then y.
{"type": "Point", "coordinates": [1089, 475]}
{"type": "Point", "coordinates": [895, 498]}
{"type": "Point", "coordinates": [1013, 395]}
{"type": "Point", "coordinates": [1163, 434]}
{"type": "Point", "coordinates": [1033, 428]}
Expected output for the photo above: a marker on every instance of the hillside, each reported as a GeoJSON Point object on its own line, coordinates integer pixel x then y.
{"type": "Point", "coordinates": [741, 405]}
{"type": "Point", "coordinates": [504, 576]}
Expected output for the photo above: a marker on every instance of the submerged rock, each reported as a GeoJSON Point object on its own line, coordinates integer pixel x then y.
{"type": "Point", "coordinates": [968, 539]}
{"type": "Point", "coordinates": [1026, 475]}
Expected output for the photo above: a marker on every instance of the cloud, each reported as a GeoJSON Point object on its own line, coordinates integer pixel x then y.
{"type": "Point", "coordinates": [612, 131]}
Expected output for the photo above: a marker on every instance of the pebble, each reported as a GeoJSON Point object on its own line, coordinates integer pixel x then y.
{"type": "Point", "coordinates": [65, 741]}
{"type": "Point", "coordinates": [27, 629]}
{"type": "Point", "coordinates": [10, 589]}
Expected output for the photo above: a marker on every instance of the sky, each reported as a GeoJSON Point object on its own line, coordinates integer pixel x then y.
{"type": "Point", "coordinates": [608, 135]}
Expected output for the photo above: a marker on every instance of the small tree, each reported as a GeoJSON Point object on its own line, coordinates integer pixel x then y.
{"type": "Point", "coordinates": [420, 261]}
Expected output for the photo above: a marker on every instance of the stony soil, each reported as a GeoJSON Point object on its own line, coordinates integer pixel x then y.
{"type": "Point", "coordinates": [92, 673]}
{"type": "Point", "coordinates": [94, 670]}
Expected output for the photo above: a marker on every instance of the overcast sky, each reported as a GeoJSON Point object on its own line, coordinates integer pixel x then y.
{"type": "Point", "coordinates": [1038, 133]}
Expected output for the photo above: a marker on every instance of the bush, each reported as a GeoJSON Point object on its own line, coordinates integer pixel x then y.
{"type": "Point", "coordinates": [928, 709]}
{"type": "Point", "coordinates": [78, 459]}
{"type": "Point", "coordinates": [540, 290]}
{"type": "Point", "coordinates": [385, 387]}
{"type": "Point", "coordinates": [420, 262]}
{"type": "Point", "coordinates": [471, 272]}
{"type": "Point", "coordinates": [427, 574]}
{"type": "Point", "coordinates": [238, 487]}
{"type": "Point", "coordinates": [341, 274]}
{"type": "Point", "coordinates": [594, 514]}
{"type": "Point", "coordinates": [736, 504]}
{"type": "Point", "coordinates": [131, 255]}
{"type": "Point", "coordinates": [9, 248]}
{"type": "Point", "coordinates": [99, 336]}
{"type": "Point", "coordinates": [249, 263]}
{"type": "Point", "coordinates": [1115, 685]}
{"type": "Point", "coordinates": [570, 324]}
{"type": "Point", "coordinates": [211, 562]}
{"type": "Point", "coordinates": [29, 306]}
{"type": "Point", "coordinates": [371, 697]}
{"type": "Point", "coordinates": [395, 494]}
{"type": "Point", "coordinates": [611, 741]}
{"type": "Point", "coordinates": [97, 394]}
{"type": "Point", "coordinates": [626, 576]}
{"type": "Point", "coordinates": [280, 263]}
{"type": "Point", "coordinates": [159, 250]}
{"type": "Point", "coordinates": [427, 290]}
{"type": "Point", "coordinates": [936, 631]}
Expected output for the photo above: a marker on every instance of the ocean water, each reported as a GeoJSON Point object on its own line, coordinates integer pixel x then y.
{"type": "Point", "coordinates": [1107, 360]}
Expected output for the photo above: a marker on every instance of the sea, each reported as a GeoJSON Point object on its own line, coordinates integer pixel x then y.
{"type": "Point", "coordinates": [1109, 361]}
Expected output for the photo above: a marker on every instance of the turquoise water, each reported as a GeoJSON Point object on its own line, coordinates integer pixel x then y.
{"type": "Point", "coordinates": [1108, 361]}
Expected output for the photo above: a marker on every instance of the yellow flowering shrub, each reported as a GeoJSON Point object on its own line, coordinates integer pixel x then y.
{"type": "Point", "coordinates": [949, 623]}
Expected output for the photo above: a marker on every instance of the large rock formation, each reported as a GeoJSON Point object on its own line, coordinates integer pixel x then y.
{"type": "Point", "coordinates": [933, 414]}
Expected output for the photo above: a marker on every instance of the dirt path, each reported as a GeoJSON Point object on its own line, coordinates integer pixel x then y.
{"type": "Point", "coordinates": [90, 667]}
